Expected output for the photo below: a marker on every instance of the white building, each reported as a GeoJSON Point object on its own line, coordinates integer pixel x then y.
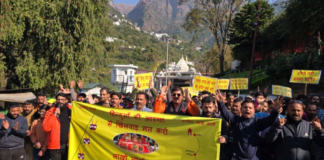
{"type": "Point", "coordinates": [111, 39]}
{"type": "Point", "coordinates": [93, 88]}
{"type": "Point", "coordinates": [123, 74]}
{"type": "Point", "coordinates": [117, 23]}
{"type": "Point", "coordinates": [180, 74]}
{"type": "Point", "coordinates": [159, 36]}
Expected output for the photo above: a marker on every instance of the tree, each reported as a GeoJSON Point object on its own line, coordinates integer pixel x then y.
{"type": "Point", "coordinates": [211, 60]}
{"type": "Point", "coordinates": [243, 27]}
{"type": "Point", "coordinates": [47, 42]}
{"type": "Point", "coordinates": [217, 15]}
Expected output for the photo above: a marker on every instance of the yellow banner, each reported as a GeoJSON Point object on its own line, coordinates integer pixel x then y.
{"type": "Point", "coordinates": [98, 132]}
{"type": "Point", "coordinates": [205, 84]}
{"type": "Point", "coordinates": [281, 91]}
{"type": "Point", "coordinates": [144, 80]}
{"type": "Point", "coordinates": [239, 84]}
{"type": "Point", "coordinates": [305, 76]}
{"type": "Point", "coordinates": [191, 91]}
{"type": "Point", "coordinates": [223, 84]}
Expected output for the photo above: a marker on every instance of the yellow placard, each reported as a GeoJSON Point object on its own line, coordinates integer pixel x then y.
{"type": "Point", "coordinates": [281, 91]}
{"type": "Point", "coordinates": [223, 84]}
{"type": "Point", "coordinates": [239, 83]}
{"type": "Point", "coordinates": [205, 84]}
{"type": "Point", "coordinates": [191, 91]}
{"type": "Point", "coordinates": [144, 80]}
{"type": "Point", "coordinates": [98, 132]}
{"type": "Point", "coordinates": [305, 76]}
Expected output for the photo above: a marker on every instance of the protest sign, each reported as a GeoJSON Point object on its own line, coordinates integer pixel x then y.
{"type": "Point", "coordinates": [98, 132]}
{"type": "Point", "coordinates": [191, 91]}
{"type": "Point", "coordinates": [144, 80]}
{"type": "Point", "coordinates": [205, 84]}
{"type": "Point", "coordinates": [223, 84]}
{"type": "Point", "coordinates": [281, 91]}
{"type": "Point", "coordinates": [239, 83]}
{"type": "Point", "coordinates": [305, 76]}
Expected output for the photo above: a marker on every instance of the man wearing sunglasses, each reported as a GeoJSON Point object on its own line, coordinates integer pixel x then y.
{"type": "Point", "coordinates": [177, 105]}
{"type": "Point", "coordinates": [293, 137]}
{"type": "Point", "coordinates": [57, 124]}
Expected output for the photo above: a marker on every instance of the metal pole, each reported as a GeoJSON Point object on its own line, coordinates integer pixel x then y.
{"type": "Point", "coordinates": [254, 43]}
{"type": "Point", "coordinates": [166, 65]}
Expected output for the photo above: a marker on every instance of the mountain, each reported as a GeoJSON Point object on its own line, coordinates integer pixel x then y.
{"type": "Point", "coordinates": [160, 16]}
{"type": "Point", "coordinates": [123, 8]}
{"type": "Point", "coordinates": [127, 44]}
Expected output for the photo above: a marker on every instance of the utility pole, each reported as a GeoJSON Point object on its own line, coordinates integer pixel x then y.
{"type": "Point", "coordinates": [254, 43]}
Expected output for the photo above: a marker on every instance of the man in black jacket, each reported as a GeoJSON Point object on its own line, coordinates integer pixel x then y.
{"type": "Point", "coordinates": [209, 110]}
{"type": "Point", "coordinates": [246, 127]}
{"type": "Point", "coordinates": [13, 129]}
{"type": "Point", "coordinates": [293, 137]}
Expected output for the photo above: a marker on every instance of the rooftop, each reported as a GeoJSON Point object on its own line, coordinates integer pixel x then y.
{"type": "Point", "coordinates": [92, 85]}
{"type": "Point", "coordinates": [123, 66]}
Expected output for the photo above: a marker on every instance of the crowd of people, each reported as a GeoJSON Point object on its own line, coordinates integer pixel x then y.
{"type": "Point", "coordinates": [253, 127]}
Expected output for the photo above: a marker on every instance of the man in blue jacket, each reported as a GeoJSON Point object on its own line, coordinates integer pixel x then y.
{"type": "Point", "coordinates": [12, 132]}
{"type": "Point", "coordinates": [246, 127]}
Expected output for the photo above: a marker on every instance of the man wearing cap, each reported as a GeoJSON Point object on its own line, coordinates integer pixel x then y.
{"type": "Point", "coordinates": [12, 132]}
{"type": "Point", "coordinates": [57, 124]}
{"type": "Point", "coordinates": [248, 98]}
{"type": "Point", "coordinates": [128, 103]}
{"type": "Point", "coordinates": [82, 98]}
{"type": "Point", "coordinates": [50, 103]}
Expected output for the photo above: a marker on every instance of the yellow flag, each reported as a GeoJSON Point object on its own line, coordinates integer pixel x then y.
{"type": "Point", "coordinates": [98, 132]}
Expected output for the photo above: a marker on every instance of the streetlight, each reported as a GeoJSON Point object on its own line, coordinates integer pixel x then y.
{"type": "Point", "coordinates": [167, 61]}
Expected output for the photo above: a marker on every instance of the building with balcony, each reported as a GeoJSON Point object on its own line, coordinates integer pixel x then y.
{"type": "Point", "coordinates": [122, 76]}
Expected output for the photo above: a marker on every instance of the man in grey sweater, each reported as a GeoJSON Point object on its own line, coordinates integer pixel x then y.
{"type": "Point", "coordinates": [13, 129]}
{"type": "Point", "coordinates": [293, 137]}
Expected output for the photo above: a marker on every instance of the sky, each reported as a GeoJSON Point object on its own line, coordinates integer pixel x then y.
{"type": "Point", "coordinates": [131, 2]}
